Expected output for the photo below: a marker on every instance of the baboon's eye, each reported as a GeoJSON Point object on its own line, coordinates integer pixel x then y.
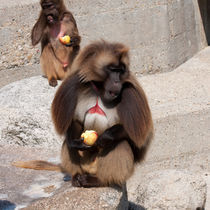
{"type": "Point", "coordinates": [48, 5]}
{"type": "Point", "coordinates": [117, 68]}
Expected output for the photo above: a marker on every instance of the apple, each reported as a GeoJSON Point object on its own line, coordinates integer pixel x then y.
{"type": "Point", "coordinates": [90, 137]}
{"type": "Point", "coordinates": [65, 39]}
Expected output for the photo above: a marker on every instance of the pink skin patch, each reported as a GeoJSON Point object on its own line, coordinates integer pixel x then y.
{"type": "Point", "coordinates": [96, 109]}
{"type": "Point", "coordinates": [65, 65]}
{"type": "Point", "coordinates": [62, 32]}
{"type": "Point", "coordinates": [57, 31]}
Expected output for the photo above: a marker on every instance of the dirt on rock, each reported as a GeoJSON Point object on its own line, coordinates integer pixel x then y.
{"type": "Point", "coordinates": [11, 75]}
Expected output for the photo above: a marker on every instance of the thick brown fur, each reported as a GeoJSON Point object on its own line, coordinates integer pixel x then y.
{"type": "Point", "coordinates": [102, 166]}
{"type": "Point", "coordinates": [55, 21]}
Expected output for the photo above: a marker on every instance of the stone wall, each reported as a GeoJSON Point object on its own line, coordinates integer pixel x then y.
{"type": "Point", "coordinates": [162, 34]}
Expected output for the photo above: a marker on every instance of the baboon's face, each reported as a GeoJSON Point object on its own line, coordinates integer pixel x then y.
{"type": "Point", "coordinates": [51, 10]}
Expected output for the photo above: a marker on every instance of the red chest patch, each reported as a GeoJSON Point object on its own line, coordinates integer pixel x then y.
{"type": "Point", "coordinates": [96, 109]}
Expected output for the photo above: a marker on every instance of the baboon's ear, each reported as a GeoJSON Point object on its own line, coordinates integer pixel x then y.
{"type": "Point", "coordinates": [38, 29]}
{"type": "Point", "coordinates": [64, 103]}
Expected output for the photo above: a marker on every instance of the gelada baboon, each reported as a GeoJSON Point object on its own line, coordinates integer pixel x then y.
{"type": "Point", "coordinates": [100, 93]}
{"type": "Point", "coordinates": [55, 21]}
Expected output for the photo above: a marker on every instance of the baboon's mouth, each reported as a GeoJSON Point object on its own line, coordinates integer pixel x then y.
{"type": "Point", "coordinates": [50, 18]}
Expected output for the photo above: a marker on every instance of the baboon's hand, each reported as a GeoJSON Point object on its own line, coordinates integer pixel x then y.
{"type": "Point", "coordinates": [78, 144]}
{"type": "Point", "coordinates": [105, 140]}
{"type": "Point", "coordinates": [112, 136]}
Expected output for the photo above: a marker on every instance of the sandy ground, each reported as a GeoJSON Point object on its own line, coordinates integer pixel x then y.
{"type": "Point", "coordinates": [11, 75]}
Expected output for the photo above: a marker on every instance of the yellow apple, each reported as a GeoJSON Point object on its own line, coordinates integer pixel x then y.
{"type": "Point", "coordinates": [65, 39]}
{"type": "Point", "coordinates": [89, 137]}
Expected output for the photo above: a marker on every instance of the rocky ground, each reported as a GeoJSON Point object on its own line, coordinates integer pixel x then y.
{"type": "Point", "coordinates": [175, 174]}
{"type": "Point", "coordinates": [18, 73]}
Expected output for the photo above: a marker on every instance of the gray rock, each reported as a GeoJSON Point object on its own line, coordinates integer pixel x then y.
{"type": "Point", "coordinates": [25, 114]}
{"type": "Point", "coordinates": [22, 186]}
{"type": "Point", "coordinates": [75, 198]}
{"type": "Point", "coordinates": [170, 189]}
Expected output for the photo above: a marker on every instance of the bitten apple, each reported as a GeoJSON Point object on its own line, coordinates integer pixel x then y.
{"type": "Point", "coordinates": [65, 39]}
{"type": "Point", "coordinates": [90, 137]}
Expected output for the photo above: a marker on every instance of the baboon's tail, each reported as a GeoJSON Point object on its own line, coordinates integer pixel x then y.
{"type": "Point", "coordinates": [37, 165]}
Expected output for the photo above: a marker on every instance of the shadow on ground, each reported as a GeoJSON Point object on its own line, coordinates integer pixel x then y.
{"type": "Point", "coordinates": [7, 205]}
{"type": "Point", "coordinates": [133, 206]}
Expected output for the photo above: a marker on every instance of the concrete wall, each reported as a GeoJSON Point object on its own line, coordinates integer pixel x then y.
{"type": "Point", "coordinates": [204, 6]}
{"type": "Point", "coordinates": [161, 34]}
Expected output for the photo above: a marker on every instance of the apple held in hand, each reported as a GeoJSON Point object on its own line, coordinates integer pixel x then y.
{"type": "Point", "coordinates": [89, 137]}
{"type": "Point", "coordinates": [65, 39]}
